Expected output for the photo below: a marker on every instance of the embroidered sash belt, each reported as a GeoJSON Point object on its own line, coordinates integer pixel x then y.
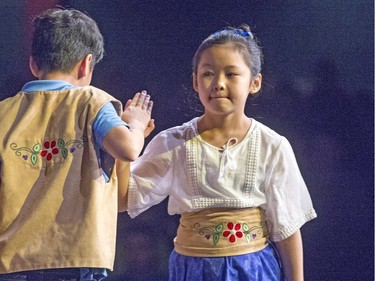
{"type": "Point", "coordinates": [221, 232]}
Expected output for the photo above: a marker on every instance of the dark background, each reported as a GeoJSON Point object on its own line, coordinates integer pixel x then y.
{"type": "Point", "coordinates": [318, 92]}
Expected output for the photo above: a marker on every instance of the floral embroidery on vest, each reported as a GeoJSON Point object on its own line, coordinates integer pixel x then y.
{"type": "Point", "coordinates": [48, 149]}
{"type": "Point", "coordinates": [232, 232]}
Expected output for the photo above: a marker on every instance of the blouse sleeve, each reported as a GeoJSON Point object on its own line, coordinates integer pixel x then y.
{"type": "Point", "coordinates": [150, 178]}
{"type": "Point", "coordinates": [289, 205]}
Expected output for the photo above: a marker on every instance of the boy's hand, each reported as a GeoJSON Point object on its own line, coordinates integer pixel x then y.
{"type": "Point", "coordinates": [124, 143]}
{"type": "Point", "coordinates": [137, 113]}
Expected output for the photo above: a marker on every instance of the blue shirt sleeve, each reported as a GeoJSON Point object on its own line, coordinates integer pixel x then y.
{"type": "Point", "coordinates": [106, 120]}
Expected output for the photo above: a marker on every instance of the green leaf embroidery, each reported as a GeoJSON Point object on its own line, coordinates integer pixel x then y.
{"type": "Point", "coordinates": [245, 227]}
{"type": "Point", "coordinates": [248, 237]}
{"type": "Point", "coordinates": [61, 143]}
{"type": "Point", "coordinates": [64, 152]}
{"type": "Point", "coordinates": [34, 158]}
{"type": "Point", "coordinates": [36, 147]}
{"type": "Point", "coordinates": [219, 228]}
{"type": "Point", "coordinates": [216, 238]}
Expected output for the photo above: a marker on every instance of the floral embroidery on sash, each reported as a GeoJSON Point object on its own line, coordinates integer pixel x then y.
{"type": "Point", "coordinates": [48, 149]}
{"type": "Point", "coordinates": [231, 231]}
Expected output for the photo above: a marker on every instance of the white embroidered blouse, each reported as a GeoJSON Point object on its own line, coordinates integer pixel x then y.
{"type": "Point", "coordinates": [260, 171]}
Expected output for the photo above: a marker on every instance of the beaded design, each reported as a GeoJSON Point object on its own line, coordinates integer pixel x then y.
{"type": "Point", "coordinates": [48, 149]}
{"type": "Point", "coordinates": [229, 230]}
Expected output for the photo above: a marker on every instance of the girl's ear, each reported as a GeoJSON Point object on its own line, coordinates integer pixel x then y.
{"type": "Point", "coordinates": [33, 67]}
{"type": "Point", "coordinates": [255, 84]}
{"type": "Point", "coordinates": [195, 82]}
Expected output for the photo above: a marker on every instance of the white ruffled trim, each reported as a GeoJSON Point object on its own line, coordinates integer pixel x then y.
{"type": "Point", "coordinates": [293, 227]}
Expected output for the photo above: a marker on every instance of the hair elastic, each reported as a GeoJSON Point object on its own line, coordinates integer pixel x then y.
{"type": "Point", "coordinates": [244, 33]}
{"type": "Point", "coordinates": [238, 31]}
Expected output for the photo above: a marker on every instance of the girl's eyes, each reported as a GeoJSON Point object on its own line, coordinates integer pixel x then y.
{"type": "Point", "coordinates": [230, 74]}
{"type": "Point", "coordinates": [210, 73]}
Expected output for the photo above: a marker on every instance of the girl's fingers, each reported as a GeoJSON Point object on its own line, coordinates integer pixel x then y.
{"type": "Point", "coordinates": [128, 102]}
{"type": "Point", "coordinates": [149, 106]}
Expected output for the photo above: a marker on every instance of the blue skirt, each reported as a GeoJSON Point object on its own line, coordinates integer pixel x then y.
{"type": "Point", "coordinates": [263, 265]}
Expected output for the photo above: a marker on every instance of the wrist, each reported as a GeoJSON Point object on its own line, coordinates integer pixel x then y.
{"type": "Point", "coordinates": [137, 126]}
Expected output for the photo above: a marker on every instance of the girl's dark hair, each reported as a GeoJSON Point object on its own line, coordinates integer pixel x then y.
{"type": "Point", "coordinates": [62, 37]}
{"type": "Point", "coordinates": [242, 38]}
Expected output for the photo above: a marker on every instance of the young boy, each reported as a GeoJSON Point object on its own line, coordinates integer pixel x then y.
{"type": "Point", "coordinates": [59, 139]}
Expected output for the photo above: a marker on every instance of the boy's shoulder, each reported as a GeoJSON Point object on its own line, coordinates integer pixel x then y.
{"type": "Point", "coordinates": [93, 91]}
{"type": "Point", "coordinates": [8, 101]}
{"type": "Point", "coordinates": [102, 96]}
{"type": "Point", "coordinates": [83, 95]}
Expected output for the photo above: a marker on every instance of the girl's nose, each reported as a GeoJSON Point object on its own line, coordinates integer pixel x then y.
{"type": "Point", "coordinates": [219, 85]}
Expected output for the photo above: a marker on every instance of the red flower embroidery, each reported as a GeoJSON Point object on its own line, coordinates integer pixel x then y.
{"type": "Point", "coordinates": [233, 232]}
{"type": "Point", "coordinates": [49, 149]}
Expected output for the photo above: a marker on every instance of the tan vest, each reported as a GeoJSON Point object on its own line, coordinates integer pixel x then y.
{"type": "Point", "coordinates": [56, 210]}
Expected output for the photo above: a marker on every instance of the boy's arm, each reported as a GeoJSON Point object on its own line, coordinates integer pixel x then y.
{"type": "Point", "coordinates": [126, 144]}
{"type": "Point", "coordinates": [291, 254]}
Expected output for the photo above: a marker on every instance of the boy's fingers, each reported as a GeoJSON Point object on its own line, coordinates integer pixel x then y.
{"type": "Point", "coordinates": [141, 98]}
{"type": "Point", "coordinates": [133, 101]}
{"type": "Point", "coordinates": [146, 102]}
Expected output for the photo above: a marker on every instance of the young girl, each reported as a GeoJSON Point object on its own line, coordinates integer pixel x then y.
{"type": "Point", "coordinates": [234, 181]}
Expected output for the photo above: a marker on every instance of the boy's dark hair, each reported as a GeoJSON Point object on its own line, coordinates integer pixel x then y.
{"type": "Point", "coordinates": [63, 37]}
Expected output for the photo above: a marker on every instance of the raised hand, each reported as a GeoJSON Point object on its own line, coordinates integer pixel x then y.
{"type": "Point", "coordinates": [137, 113]}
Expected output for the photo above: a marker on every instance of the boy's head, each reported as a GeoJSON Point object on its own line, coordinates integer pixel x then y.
{"type": "Point", "coordinates": [63, 37]}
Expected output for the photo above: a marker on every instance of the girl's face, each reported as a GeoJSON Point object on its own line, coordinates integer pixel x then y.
{"type": "Point", "coordinates": [223, 80]}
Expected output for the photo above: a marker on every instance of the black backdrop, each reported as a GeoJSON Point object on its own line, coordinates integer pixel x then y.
{"type": "Point", "coordinates": [318, 92]}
